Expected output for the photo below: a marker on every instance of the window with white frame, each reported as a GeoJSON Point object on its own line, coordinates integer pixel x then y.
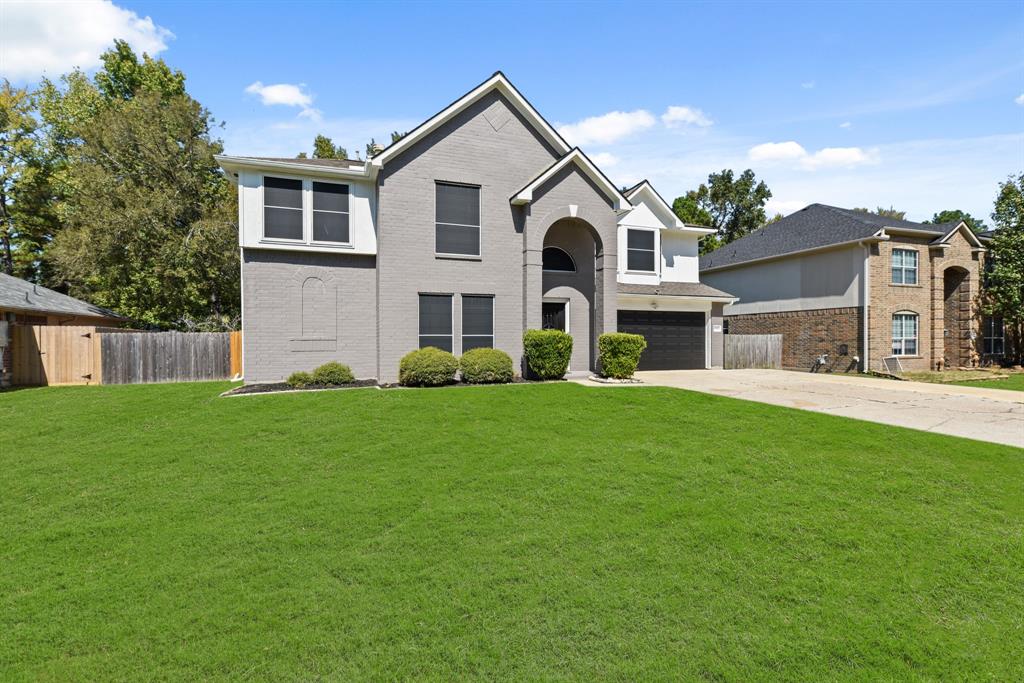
{"type": "Point", "coordinates": [904, 334]}
{"type": "Point", "coordinates": [904, 267]}
{"type": "Point", "coordinates": [282, 208]}
{"type": "Point", "coordinates": [436, 321]}
{"type": "Point", "coordinates": [477, 322]}
{"type": "Point", "coordinates": [992, 334]}
{"type": "Point", "coordinates": [640, 250]}
{"type": "Point", "coordinates": [330, 212]}
{"type": "Point", "coordinates": [457, 219]}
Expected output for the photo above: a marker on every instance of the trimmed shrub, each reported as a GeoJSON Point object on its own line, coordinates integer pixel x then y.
{"type": "Point", "coordinates": [427, 367]}
{"type": "Point", "coordinates": [299, 380]}
{"type": "Point", "coordinates": [547, 352]}
{"type": "Point", "coordinates": [486, 366]}
{"type": "Point", "coordinates": [333, 373]}
{"type": "Point", "coordinates": [620, 353]}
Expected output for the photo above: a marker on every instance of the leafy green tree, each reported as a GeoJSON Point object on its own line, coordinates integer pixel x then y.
{"type": "Point", "coordinates": [123, 75]}
{"type": "Point", "coordinates": [956, 215]}
{"type": "Point", "coordinates": [891, 212]}
{"type": "Point", "coordinates": [1004, 293]}
{"type": "Point", "coordinates": [323, 148]}
{"type": "Point", "coordinates": [396, 136]}
{"type": "Point", "coordinates": [26, 215]}
{"type": "Point", "coordinates": [732, 206]}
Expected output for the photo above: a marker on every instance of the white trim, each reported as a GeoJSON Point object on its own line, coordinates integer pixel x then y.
{"type": "Point", "coordinates": [576, 156]}
{"type": "Point", "coordinates": [903, 339]}
{"type": "Point", "coordinates": [496, 82]}
{"type": "Point", "coordinates": [655, 252]}
{"type": "Point", "coordinates": [866, 307]}
{"type": "Point", "coordinates": [970, 233]}
{"type": "Point", "coordinates": [656, 198]}
{"type": "Point", "coordinates": [307, 240]}
{"type": "Point", "coordinates": [903, 268]}
{"type": "Point", "coordinates": [234, 164]}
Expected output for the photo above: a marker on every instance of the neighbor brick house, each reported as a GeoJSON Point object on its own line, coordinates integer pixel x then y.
{"type": "Point", "coordinates": [479, 224]}
{"type": "Point", "coordinates": [859, 288]}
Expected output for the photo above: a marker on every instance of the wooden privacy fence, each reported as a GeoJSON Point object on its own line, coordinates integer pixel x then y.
{"type": "Point", "coordinates": [753, 351]}
{"type": "Point", "coordinates": [44, 354]}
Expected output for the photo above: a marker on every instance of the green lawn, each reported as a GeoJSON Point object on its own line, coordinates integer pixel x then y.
{"type": "Point", "coordinates": [1015, 382]}
{"type": "Point", "coordinates": [523, 532]}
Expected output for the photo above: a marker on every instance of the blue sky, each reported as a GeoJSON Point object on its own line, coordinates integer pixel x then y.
{"type": "Point", "coordinates": [917, 105]}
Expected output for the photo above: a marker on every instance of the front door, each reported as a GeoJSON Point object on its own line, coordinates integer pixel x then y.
{"type": "Point", "coordinates": [553, 316]}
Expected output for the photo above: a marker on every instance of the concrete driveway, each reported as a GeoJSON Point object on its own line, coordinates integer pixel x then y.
{"type": "Point", "coordinates": [995, 415]}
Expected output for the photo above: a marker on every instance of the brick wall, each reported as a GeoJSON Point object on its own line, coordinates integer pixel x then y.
{"type": "Point", "coordinates": [808, 334]}
{"type": "Point", "coordinates": [927, 299]}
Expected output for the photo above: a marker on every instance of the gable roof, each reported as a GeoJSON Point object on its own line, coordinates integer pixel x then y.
{"type": "Point", "coordinates": [583, 162]}
{"type": "Point", "coordinates": [814, 227]}
{"type": "Point", "coordinates": [497, 82]}
{"type": "Point", "coordinates": [644, 188]}
{"type": "Point", "coordinates": [20, 295]}
{"type": "Point", "coordinates": [959, 227]}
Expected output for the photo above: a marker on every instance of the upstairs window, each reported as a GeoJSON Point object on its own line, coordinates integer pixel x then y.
{"type": "Point", "coordinates": [904, 267]}
{"type": "Point", "coordinates": [477, 322]}
{"type": "Point", "coordinates": [557, 260]}
{"type": "Point", "coordinates": [330, 212]}
{"type": "Point", "coordinates": [457, 219]}
{"type": "Point", "coordinates": [436, 321]}
{"type": "Point", "coordinates": [282, 209]}
{"type": "Point", "coordinates": [992, 336]}
{"type": "Point", "coordinates": [640, 250]}
{"type": "Point", "coordinates": [904, 334]}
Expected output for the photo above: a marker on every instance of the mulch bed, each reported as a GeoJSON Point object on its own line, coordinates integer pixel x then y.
{"type": "Point", "coordinates": [273, 387]}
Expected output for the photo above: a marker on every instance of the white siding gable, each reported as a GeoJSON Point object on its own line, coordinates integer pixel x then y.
{"type": "Point", "coordinates": [677, 249]}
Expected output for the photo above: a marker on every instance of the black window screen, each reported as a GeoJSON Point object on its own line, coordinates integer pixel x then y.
{"type": "Point", "coordinates": [330, 212]}
{"type": "Point", "coordinates": [640, 250]}
{"type": "Point", "coordinates": [282, 208]}
{"type": "Point", "coordinates": [457, 219]}
{"type": "Point", "coordinates": [477, 322]}
{"type": "Point", "coordinates": [436, 321]}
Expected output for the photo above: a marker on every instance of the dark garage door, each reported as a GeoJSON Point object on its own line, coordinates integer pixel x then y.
{"type": "Point", "coordinates": [675, 341]}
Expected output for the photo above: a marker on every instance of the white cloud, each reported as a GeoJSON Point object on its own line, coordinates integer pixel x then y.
{"type": "Point", "coordinates": [680, 116]}
{"type": "Point", "coordinates": [288, 95]}
{"type": "Point", "coordinates": [828, 157]}
{"type": "Point", "coordinates": [1019, 99]}
{"type": "Point", "coordinates": [606, 128]}
{"type": "Point", "coordinates": [604, 159]}
{"type": "Point", "coordinates": [49, 39]}
{"type": "Point", "coordinates": [808, 85]}
{"type": "Point", "coordinates": [845, 124]}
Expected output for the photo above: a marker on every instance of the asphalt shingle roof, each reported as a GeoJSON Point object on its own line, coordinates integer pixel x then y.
{"type": "Point", "coordinates": [673, 289]}
{"type": "Point", "coordinates": [817, 225]}
{"type": "Point", "coordinates": [21, 295]}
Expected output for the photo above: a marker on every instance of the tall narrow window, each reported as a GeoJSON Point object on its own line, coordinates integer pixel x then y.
{"type": "Point", "coordinates": [282, 208]}
{"type": "Point", "coordinates": [457, 219]}
{"type": "Point", "coordinates": [330, 212]}
{"type": "Point", "coordinates": [436, 321]}
{"type": "Point", "coordinates": [992, 336]}
{"type": "Point", "coordinates": [904, 334]}
{"type": "Point", "coordinates": [477, 322]}
{"type": "Point", "coordinates": [640, 250]}
{"type": "Point", "coordinates": [904, 267]}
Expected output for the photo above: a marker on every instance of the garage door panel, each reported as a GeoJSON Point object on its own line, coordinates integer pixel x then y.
{"type": "Point", "coordinates": [675, 340]}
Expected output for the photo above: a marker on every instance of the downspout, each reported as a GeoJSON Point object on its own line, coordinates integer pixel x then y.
{"type": "Point", "coordinates": [865, 305]}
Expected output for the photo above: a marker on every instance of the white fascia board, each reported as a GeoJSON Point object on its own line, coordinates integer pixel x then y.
{"type": "Point", "coordinates": [496, 82]}
{"type": "Point", "coordinates": [575, 156]}
{"type": "Point", "coordinates": [232, 165]}
{"type": "Point", "coordinates": [879, 236]}
{"type": "Point", "coordinates": [971, 237]}
{"type": "Point", "coordinates": [655, 197]}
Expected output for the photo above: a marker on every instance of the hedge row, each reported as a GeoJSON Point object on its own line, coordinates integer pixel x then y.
{"type": "Point", "coordinates": [433, 367]}
{"type": "Point", "coordinates": [328, 374]}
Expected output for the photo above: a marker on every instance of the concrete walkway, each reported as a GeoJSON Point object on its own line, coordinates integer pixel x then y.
{"type": "Point", "coordinates": [995, 415]}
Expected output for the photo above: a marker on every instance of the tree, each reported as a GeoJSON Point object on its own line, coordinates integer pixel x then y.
{"type": "Point", "coordinates": [1004, 293]}
{"type": "Point", "coordinates": [323, 148]}
{"type": "Point", "coordinates": [732, 206]}
{"type": "Point", "coordinates": [26, 215]}
{"type": "Point", "coordinates": [123, 75]}
{"type": "Point", "coordinates": [891, 212]}
{"type": "Point", "coordinates": [396, 136]}
{"type": "Point", "coordinates": [955, 216]}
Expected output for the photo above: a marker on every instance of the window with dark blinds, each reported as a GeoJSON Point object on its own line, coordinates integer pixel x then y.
{"type": "Point", "coordinates": [477, 322]}
{"type": "Point", "coordinates": [436, 321]}
{"type": "Point", "coordinates": [457, 219]}
{"type": "Point", "coordinates": [282, 208]}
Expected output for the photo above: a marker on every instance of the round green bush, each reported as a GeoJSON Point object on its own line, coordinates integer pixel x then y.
{"type": "Point", "coordinates": [486, 366]}
{"type": "Point", "coordinates": [547, 352]}
{"type": "Point", "coordinates": [620, 353]}
{"type": "Point", "coordinates": [299, 380]}
{"type": "Point", "coordinates": [333, 373]}
{"type": "Point", "coordinates": [427, 367]}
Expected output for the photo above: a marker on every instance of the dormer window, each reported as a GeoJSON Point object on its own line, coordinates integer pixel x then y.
{"type": "Point", "coordinates": [640, 250]}
{"type": "Point", "coordinates": [282, 209]}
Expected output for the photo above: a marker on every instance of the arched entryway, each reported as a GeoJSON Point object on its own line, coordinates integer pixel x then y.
{"type": "Point", "coordinates": [571, 289]}
{"type": "Point", "coordinates": [957, 316]}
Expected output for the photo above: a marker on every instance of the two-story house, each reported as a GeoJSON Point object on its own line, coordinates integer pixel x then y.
{"type": "Point", "coordinates": [479, 224]}
{"type": "Point", "coordinates": [863, 289]}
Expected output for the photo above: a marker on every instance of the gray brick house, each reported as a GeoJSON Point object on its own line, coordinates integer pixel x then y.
{"type": "Point", "coordinates": [479, 224]}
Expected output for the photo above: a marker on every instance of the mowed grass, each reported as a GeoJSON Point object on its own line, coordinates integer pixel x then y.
{"type": "Point", "coordinates": [521, 532]}
{"type": "Point", "coordinates": [1015, 382]}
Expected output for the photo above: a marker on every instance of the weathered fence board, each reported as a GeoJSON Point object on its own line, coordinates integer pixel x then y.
{"type": "Point", "coordinates": [149, 357]}
{"type": "Point", "coordinates": [52, 354]}
{"type": "Point", "coordinates": [753, 351]}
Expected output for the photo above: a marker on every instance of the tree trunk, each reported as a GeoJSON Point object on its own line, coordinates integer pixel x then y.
{"type": "Point", "coordinates": [5, 235]}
